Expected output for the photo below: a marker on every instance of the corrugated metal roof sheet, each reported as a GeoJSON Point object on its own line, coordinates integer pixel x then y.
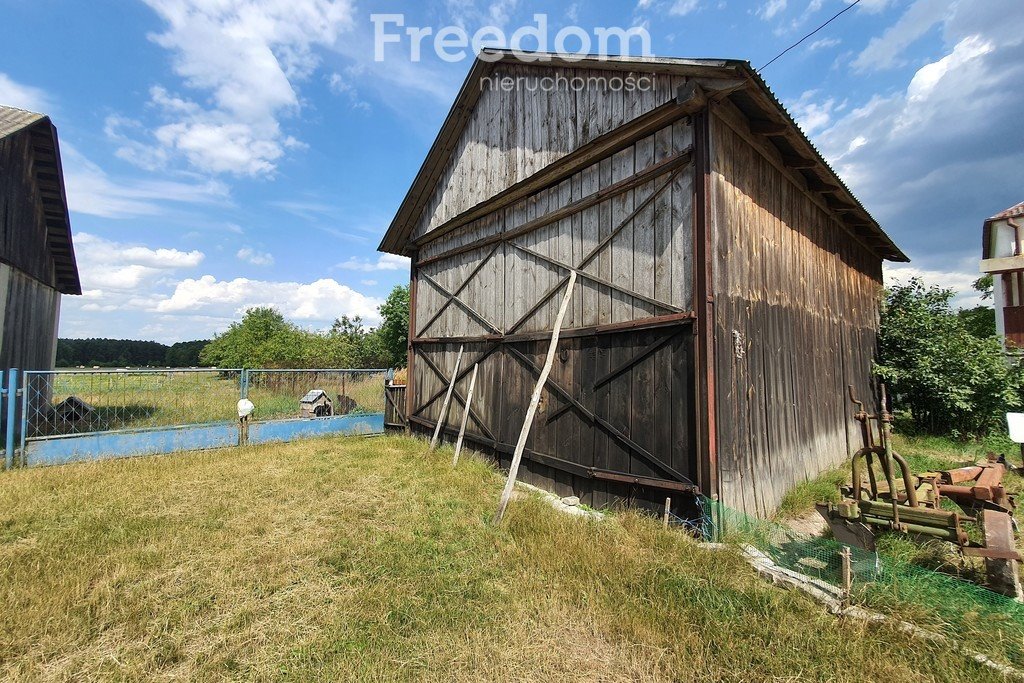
{"type": "Point", "coordinates": [1013, 212]}
{"type": "Point", "coordinates": [13, 119]}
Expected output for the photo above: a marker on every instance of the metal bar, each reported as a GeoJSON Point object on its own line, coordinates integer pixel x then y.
{"type": "Point", "coordinates": [11, 393]}
{"type": "Point", "coordinates": [24, 409]}
{"type": "Point", "coordinates": [147, 371]}
{"type": "Point", "coordinates": [568, 466]}
{"type": "Point", "coordinates": [707, 438]}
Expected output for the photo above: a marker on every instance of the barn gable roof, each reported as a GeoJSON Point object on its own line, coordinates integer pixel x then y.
{"type": "Point", "coordinates": [747, 91]}
{"type": "Point", "coordinates": [50, 181]}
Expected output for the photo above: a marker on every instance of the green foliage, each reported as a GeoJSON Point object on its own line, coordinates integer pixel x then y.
{"type": "Point", "coordinates": [394, 330]}
{"type": "Point", "coordinates": [185, 354]}
{"type": "Point", "coordinates": [110, 353]}
{"type": "Point", "coordinates": [950, 379]}
{"type": "Point", "coordinates": [265, 339]}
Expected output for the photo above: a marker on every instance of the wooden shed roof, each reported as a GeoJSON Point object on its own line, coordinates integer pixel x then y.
{"type": "Point", "coordinates": [50, 181]}
{"type": "Point", "coordinates": [747, 91]}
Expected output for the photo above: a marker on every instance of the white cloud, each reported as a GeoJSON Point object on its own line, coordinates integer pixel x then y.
{"type": "Point", "coordinates": [317, 302]}
{"type": "Point", "coordinates": [884, 52]}
{"type": "Point", "coordinates": [369, 283]}
{"type": "Point", "coordinates": [246, 58]}
{"type": "Point", "coordinates": [771, 8]}
{"type": "Point", "coordinates": [91, 191]}
{"type": "Point", "coordinates": [23, 96]}
{"type": "Point", "coordinates": [933, 159]}
{"type": "Point", "coordinates": [962, 283]}
{"type": "Point", "coordinates": [383, 262]}
{"type": "Point", "coordinates": [811, 115]}
{"type": "Point", "coordinates": [681, 8]}
{"type": "Point", "coordinates": [823, 43]}
{"type": "Point", "coordinates": [106, 266]}
{"type": "Point", "coordinates": [254, 257]}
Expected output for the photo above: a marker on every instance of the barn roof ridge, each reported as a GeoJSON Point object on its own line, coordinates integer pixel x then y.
{"type": "Point", "coordinates": [401, 226]}
{"type": "Point", "coordinates": [58, 235]}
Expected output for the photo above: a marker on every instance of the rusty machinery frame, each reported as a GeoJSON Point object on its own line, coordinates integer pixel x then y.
{"type": "Point", "coordinates": [917, 509]}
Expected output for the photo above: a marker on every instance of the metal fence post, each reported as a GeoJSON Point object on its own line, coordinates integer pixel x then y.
{"type": "Point", "coordinates": [23, 422]}
{"type": "Point", "coordinates": [12, 413]}
{"type": "Point", "coordinates": [243, 380]}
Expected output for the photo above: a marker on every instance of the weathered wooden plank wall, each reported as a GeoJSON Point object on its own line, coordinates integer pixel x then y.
{"type": "Point", "coordinates": [28, 323]}
{"type": "Point", "coordinates": [497, 280]}
{"type": "Point", "coordinates": [512, 134]}
{"type": "Point", "coordinates": [796, 314]}
{"type": "Point", "coordinates": [22, 223]}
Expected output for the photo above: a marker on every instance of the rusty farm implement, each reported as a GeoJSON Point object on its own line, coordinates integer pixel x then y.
{"type": "Point", "coordinates": [966, 506]}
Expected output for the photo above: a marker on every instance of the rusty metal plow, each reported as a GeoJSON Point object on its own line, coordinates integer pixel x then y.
{"type": "Point", "coordinates": [930, 504]}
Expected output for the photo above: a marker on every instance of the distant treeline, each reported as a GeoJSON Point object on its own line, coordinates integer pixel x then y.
{"type": "Point", "coordinates": [113, 353]}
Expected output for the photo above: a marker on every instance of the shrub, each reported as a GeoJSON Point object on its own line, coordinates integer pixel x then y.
{"type": "Point", "coordinates": [951, 381]}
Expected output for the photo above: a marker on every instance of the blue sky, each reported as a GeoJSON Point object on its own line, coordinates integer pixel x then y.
{"type": "Point", "coordinates": [220, 154]}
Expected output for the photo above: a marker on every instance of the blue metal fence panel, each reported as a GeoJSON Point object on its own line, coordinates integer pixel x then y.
{"type": "Point", "coordinates": [287, 430]}
{"type": "Point", "coordinates": [108, 445]}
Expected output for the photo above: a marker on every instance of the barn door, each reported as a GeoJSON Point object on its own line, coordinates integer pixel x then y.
{"type": "Point", "coordinates": [617, 414]}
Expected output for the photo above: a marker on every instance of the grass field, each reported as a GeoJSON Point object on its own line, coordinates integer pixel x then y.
{"type": "Point", "coordinates": [136, 400]}
{"type": "Point", "coordinates": [371, 559]}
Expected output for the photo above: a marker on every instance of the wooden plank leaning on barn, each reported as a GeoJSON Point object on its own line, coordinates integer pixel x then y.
{"type": "Point", "coordinates": [517, 457]}
{"type": "Point", "coordinates": [465, 415]}
{"type": "Point", "coordinates": [443, 417]}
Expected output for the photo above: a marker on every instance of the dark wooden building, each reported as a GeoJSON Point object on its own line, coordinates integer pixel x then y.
{"type": "Point", "coordinates": [728, 286]}
{"type": "Point", "coordinates": [37, 259]}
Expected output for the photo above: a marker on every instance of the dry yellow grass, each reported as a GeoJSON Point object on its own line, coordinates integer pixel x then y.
{"type": "Point", "coordinates": [370, 559]}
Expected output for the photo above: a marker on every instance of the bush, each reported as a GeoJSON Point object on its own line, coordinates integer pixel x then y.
{"type": "Point", "coordinates": [952, 382]}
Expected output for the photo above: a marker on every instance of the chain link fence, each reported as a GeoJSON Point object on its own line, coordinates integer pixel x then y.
{"type": "Point", "coordinates": [61, 403]}
{"type": "Point", "coordinates": [74, 402]}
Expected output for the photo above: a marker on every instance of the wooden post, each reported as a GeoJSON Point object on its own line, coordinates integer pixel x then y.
{"type": "Point", "coordinates": [443, 417]}
{"type": "Point", "coordinates": [847, 557]}
{"type": "Point", "coordinates": [668, 506]}
{"type": "Point", "coordinates": [465, 416]}
{"type": "Point", "coordinates": [517, 457]}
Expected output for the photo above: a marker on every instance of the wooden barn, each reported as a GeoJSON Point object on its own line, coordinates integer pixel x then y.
{"type": "Point", "coordinates": [728, 282]}
{"type": "Point", "coordinates": [37, 259]}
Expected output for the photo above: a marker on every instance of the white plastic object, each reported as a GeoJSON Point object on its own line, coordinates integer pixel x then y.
{"type": "Point", "coordinates": [246, 408]}
{"type": "Point", "coordinates": [1015, 421]}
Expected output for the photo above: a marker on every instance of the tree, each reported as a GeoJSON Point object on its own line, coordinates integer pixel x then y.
{"type": "Point", "coordinates": [185, 354]}
{"type": "Point", "coordinates": [394, 329]}
{"type": "Point", "coordinates": [981, 320]}
{"type": "Point", "coordinates": [263, 339]}
{"type": "Point", "coordinates": [952, 381]}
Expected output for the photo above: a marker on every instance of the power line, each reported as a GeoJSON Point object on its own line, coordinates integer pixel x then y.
{"type": "Point", "coordinates": [834, 17]}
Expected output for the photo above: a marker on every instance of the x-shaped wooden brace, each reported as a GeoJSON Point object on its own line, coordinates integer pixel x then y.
{"type": "Point", "coordinates": [593, 418]}
{"type": "Point", "coordinates": [453, 297]}
{"type": "Point", "coordinates": [622, 367]}
{"type": "Point", "coordinates": [455, 393]}
{"type": "Point", "coordinates": [591, 255]}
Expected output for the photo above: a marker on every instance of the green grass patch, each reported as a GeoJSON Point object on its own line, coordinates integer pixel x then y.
{"type": "Point", "coordinates": [372, 559]}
